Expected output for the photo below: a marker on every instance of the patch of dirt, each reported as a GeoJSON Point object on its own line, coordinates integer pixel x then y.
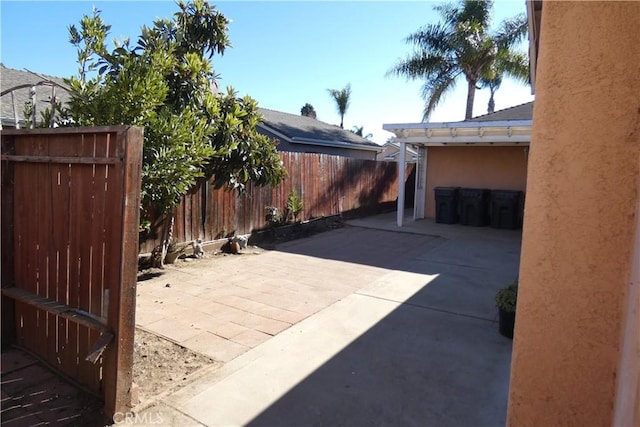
{"type": "Point", "coordinates": [160, 364]}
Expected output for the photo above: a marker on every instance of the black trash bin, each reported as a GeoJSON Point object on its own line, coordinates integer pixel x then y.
{"type": "Point", "coordinates": [446, 205]}
{"type": "Point", "coordinates": [474, 206]}
{"type": "Point", "coordinates": [505, 209]}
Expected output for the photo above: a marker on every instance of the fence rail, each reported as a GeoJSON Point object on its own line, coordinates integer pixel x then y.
{"type": "Point", "coordinates": [328, 185]}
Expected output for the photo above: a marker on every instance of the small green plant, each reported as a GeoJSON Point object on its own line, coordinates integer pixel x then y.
{"type": "Point", "coordinates": [295, 205]}
{"type": "Point", "coordinates": [506, 298]}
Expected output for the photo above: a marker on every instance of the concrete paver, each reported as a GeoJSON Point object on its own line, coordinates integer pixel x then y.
{"type": "Point", "coordinates": [391, 328]}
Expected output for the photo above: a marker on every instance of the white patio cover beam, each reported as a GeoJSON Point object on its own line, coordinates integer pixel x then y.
{"type": "Point", "coordinates": [402, 165]}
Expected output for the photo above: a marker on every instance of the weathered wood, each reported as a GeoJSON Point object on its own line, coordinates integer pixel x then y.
{"type": "Point", "coordinates": [7, 250]}
{"type": "Point", "coordinates": [62, 159]}
{"type": "Point", "coordinates": [118, 374]}
{"type": "Point", "coordinates": [328, 185]}
{"type": "Point", "coordinates": [69, 236]}
{"type": "Point", "coordinates": [54, 307]}
{"type": "Point", "coordinates": [99, 347]}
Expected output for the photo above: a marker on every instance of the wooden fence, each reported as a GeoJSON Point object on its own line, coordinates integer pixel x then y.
{"type": "Point", "coordinates": [328, 185]}
{"type": "Point", "coordinates": [70, 215]}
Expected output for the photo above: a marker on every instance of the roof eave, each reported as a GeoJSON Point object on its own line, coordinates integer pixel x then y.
{"type": "Point", "coordinates": [505, 132]}
{"type": "Point", "coordinates": [337, 144]}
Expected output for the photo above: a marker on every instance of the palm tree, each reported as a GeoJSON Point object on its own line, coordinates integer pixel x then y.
{"type": "Point", "coordinates": [342, 101]}
{"type": "Point", "coordinates": [459, 45]}
{"type": "Point", "coordinates": [515, 64]}
{"type": "Point", "coordinates": [359, 130]}
{"type": "Point", "coordinates": [308, 111]}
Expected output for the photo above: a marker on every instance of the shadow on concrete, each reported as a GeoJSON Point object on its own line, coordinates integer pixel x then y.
{"type": "Point", "coordinates": [437, 359]}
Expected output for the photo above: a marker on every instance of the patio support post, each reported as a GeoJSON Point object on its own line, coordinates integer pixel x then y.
{"type": "Point", "coordinates": [421, 183]}
{"type": "Point", "coordinates": [402, 165]}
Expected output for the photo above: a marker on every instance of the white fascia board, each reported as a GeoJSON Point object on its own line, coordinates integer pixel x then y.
{"type": "Point", "coordinates": [337, 144]}
{"type": "Point", "coordinates": [393, 127]}
{"type": "Point", "coordinates": [460, 133]}
{"type": "Point", "coordinates": [461, 141]}
{"type": "Point", "coordinates": [275, 132]}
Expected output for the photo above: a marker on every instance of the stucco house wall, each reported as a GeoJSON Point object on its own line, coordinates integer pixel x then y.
{"type": "Point", "coordinates": [492, 167]}
{"type": "Point", "coordinates": [575, 348]}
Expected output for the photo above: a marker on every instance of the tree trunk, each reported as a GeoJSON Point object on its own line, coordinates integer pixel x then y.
{"type": "Point", "coordinates": [161, 251]}
{"type": "Point", "coordinates": [341, 121]}
{"type": "Point", "coordinates": [492, 104]}
{"type": "Point", "coordinates": [471, 94]}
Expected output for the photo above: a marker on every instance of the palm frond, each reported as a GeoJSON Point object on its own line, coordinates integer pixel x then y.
{"type": "Point", "coordinates": [431, 38]}
{"type": "Point", "coordinates": [434, 90]}
{"type": "Point", "coordinates": [512, 31]}
{"type": "Point", "coordinates": [421, 66]}
{"type": "Point", "coordinates": [515, 65]}
{"type": "Point", "coordinates": [477, 11]}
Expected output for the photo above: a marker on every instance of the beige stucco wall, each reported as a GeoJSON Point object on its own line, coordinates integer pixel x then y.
{"type": "Point", "coordinates": [580, 217]}
{"type": "Point", "coordinates": [492, 167]}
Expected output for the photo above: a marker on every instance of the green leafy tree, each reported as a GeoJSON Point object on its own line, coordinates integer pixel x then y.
{"type": "Point", "coordinates": [460, 45]}
{"type": "Point", "coordinates": [308, 111]}
{"type": "Point", "coordinates": [164, 82]}
{"type": "Point", "coordinates": [341, 97]}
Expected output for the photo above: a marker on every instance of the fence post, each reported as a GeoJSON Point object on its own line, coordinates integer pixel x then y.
{"type": "Point", "coordinates": [118, 361]}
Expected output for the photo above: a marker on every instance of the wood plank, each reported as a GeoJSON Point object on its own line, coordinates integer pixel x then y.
{"type": "Point", "coordinates": [7, 248]}
{"type": "Point", "coordinates": [26, 239]}
{"type": "Point", "coordinates": [42, 230]}
{"type": "Point", "coordinates": [112, 227]}
{"type": "Point", "coordinates": [78, 178]}
{"type": "Point", "coordinates": [98, 348]}
{"type": "Point", "coordinates": [61, 159]}
{"type": "Point", "coordinates": [54, 307]}
{"type": "Point", "coordinates": [98, 237]}
{"type": "Point", "coordinates": [61, 217]}
{"type": "Point", "coordinates": [97, 287]}
{"type": "Point", "coordinates": [118, 360]}
{"type": "Point", "coordinates": [53, 251]}
{"type": "Point", "coordinates": [85, 224]}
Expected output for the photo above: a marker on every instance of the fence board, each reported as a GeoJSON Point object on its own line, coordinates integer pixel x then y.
{"type": "Point", "coordinates": [328, 185]}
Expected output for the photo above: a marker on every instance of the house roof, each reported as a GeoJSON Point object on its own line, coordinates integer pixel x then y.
{"type": "Point", "coordinates": [517, 112]}
{"type": "Point", "coordinates": [391, 151]}
{"type": "Point", "coordinates": [10, 78]}
{"type": "Point", "coordinates": [300, 129]}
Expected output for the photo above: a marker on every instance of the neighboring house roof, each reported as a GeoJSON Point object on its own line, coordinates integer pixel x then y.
{"type": "Point", "coordinates": [298, 129]}
{"type": "Point", "coordinates": [10, 78]}
{"type": "Point", "coordinates": [517, 112]}
{"type": "Point", "coordinates": [391, 151]}
{"type": "Point", "coordinates": [505, 127]}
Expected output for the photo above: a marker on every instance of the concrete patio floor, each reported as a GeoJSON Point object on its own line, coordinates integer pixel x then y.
{"type": "Point", "coordinates": [356, 326]}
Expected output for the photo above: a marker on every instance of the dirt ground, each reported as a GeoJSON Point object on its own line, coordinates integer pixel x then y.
{"type": "Point", "coordinates": [160, 365]}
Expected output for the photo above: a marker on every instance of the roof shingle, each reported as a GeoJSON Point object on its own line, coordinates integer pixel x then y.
{"type": "Point", "coordinates": [517, 112]}
{"type": "Point", "coordinates": [10, 78]}
{"type": "Point", "coordinates": [298, 126]}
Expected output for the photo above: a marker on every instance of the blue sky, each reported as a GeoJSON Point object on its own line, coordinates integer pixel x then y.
{"type": "Point", "coordinates": [284, 54]}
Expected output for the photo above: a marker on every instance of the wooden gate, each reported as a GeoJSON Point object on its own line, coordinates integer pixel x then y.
{"type": "Point", "coordinates": [70, 211]}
